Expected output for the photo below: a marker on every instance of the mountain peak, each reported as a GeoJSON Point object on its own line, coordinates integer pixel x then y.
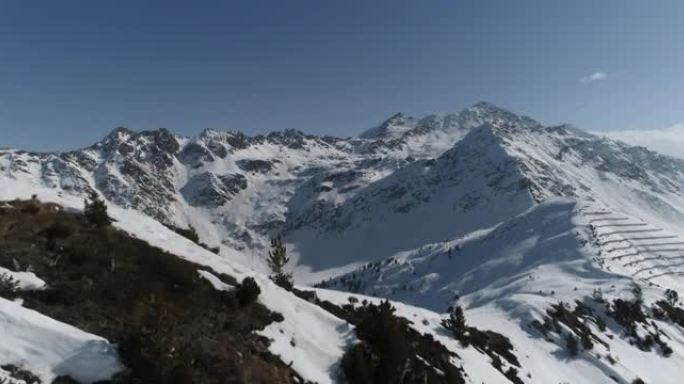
{"type": "Point", "coordinates": [122, 134]}
{"type": "Point", "coordinates": [485, 105]}
{"type": "Point", "coordinates": [393, 127]}
{"type": "Point", "coordinates": [484, 112]}
{"type": "Point", "coordinates": [211, 133]}
{"type": "Point", "coordinates": [119, 133]}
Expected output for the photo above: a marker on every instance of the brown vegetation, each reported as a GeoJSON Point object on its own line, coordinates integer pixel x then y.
{"type": "Point", "coordinates": [171, 325]}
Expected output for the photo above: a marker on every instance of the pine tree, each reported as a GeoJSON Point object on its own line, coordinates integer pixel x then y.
{"type": "Point", "coordinates": [96, 211]}
{"type": "Point", "coordinates": [456, 323]}
{"type": "Point", "coordinates": [9, 286]}
{"type": "Point", "coordinates": [572, 344]}
{"type": "Point", "coordinates": [638, 294]}
{"type": "Point", "coordinates": [192, 234]}
{"type": "Point", "coordinates": [672, 296]}
{"type": "Point", "coordinates": [248, 291]}
{"type": "Point", "coordinates": [277, 259]}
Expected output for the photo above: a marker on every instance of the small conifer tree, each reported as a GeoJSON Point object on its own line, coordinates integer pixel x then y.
{"type": "Point", "coordinates": [192, 234]}
{"type": "Point", "coordinates": [638, 294]}
{"type": "Point", "coordinates": [248, 291]}
{"type": "Point", "coordinates": [9, 286]}
{"type": "Point", "coordinates": [672, 296]}
{"type": "Point", "coordinates": [96, 211]}
{"type": "Point", "coordinates": [456, 323]}
{"type": "Point", "coordinates": [277, 259]}
{"type": "Point", "coordinates": [572, 344]}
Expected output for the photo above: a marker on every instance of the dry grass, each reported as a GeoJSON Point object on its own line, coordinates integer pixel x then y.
{"type": "Point", "coordinates": [151, 302]}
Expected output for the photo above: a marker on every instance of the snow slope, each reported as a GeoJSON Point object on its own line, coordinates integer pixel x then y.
{"type": "Point", "coordinates": [50, 348]}
{"type": "Point", "coordinates": [506, 277]}
{"type": "Point", "coordinates": [483, 208]}
{"type": "Point", "coordinates": [25, 280]}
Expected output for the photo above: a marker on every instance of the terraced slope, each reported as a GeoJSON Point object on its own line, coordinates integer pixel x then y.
{"type": "Point", "coordinates": [635, 247]}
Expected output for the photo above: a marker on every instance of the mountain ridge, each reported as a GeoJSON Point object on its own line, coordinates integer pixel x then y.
{"type": "Point", "coordinates": [541, 232]}
{"type": "Point", "coordinates": [309, 178]}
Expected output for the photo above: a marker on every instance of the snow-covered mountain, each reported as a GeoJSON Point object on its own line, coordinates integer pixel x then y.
{"type": "Point", "coordinates": [342, 202]}
{"type": "Point", "coordinates": [484, 209]}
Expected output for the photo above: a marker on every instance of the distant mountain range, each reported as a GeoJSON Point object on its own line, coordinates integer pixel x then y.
{"type": "Point", "coordinates": [484, 208]}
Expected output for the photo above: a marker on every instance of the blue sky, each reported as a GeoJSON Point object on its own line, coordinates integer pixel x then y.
{"type": "Point", "coordinates": [70, 71]}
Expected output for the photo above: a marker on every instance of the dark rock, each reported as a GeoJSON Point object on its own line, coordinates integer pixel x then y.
{"type": "Point", "coordinates": [257, 166]}
{"type": "Point", "coordinates": [207, 189]}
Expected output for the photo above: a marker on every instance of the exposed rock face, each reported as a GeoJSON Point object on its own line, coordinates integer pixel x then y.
{"type": "Point", "coordinates": [290, 138]}
{"type": "Point", "coordinates": [208, 190]}
{"type": "Point", "coordinates": [194, 155]}
{"type": "Point", "coordinates": [257, 166]}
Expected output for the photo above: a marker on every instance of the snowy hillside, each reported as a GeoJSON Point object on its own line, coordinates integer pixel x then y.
{"type": "Point", "coordinates": [312, 339]}
{"type": "Point", "coordinates": [309, 338]}
{"type": "Point", "coordinates": [538, 233]}
{"type": "Point", "coordinates": [508, 277]}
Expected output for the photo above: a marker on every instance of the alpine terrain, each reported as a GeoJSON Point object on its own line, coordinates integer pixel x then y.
{"type": "Point", "coordinates": [472, 247]}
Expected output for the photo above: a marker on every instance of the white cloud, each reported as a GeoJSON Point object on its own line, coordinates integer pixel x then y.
{"type": "Point", "coordinates": [593, 77]}
{"type": "Point", "coordinates": [669, 141]}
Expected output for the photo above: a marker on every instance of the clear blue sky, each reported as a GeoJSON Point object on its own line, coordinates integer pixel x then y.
{"type": "Point", "coordinates": [70, 71]}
